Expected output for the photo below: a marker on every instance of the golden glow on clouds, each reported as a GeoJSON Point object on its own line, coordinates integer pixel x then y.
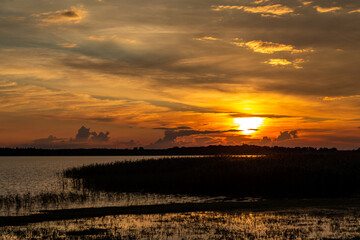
{"type": "Point", "coordinates": [248, 125]}
{"type": "Point", "coordinates": [114, 38]}
{"type": "Point", "coordinates": [73, 15]}
{"type": "Point", "coordinates": [355, 11]}
{"type": "Point", "coordinates": [260, 1]}
{"type": "Point", "coordinates": [278, 62]}
{"type": "Point", "coordinates": [67, 45]}
{"type": "Point", "coordinates": [269, 47]}
{"type": "Point", "coordinates": [140, 70]}
{"type": "Point", "coordinates": [284, 62]}
{"type": "Point", "coordinates": [206, 38]}
{"type": "Point", "coordinates": [276, 9]}
{"type": "Point", "coordinates": [325, 10]}
{"type": "Point", "coordinates": [305, 3]}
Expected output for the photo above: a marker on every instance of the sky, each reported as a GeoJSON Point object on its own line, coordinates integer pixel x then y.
{"type": "Point", "coordinates": [160, 73]}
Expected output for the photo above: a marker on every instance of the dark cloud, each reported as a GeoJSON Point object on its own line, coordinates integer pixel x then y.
{"type": "Point", "coordinates": [265, 140]}
{"type": "Point", "coordinates": [48, 141]}
{"type": "Point", "coordinates": [83, 134]}
{"type": "Point", "coordinates": [101, 137]}
{"type": "Point", "coordinates": [70, 14]}
{"type": "Point", "coordinates": [286, 135]}
{"type": "Point", "coordinates": [127, 144]}
{"type": "Point", "coordinates": [171, 135]}
{"type": "Point", "coordinates": [175, 128]}
{"type": "Point", "coordinates": [240, 115]}
{"type": "Point", "coordinates": [83, 139]}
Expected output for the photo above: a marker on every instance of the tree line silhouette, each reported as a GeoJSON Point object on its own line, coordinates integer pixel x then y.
{"type": "Point", "coordinates": [139, 151]}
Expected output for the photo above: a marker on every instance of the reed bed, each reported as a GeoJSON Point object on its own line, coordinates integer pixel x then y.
{"type": "Point", "coordinates": [272, 176]}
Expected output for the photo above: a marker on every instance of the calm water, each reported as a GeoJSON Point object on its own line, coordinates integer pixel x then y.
{"type": "Point", "coordinates": [31, 178]}
{"type": "Point", "coordinates": [21, 175]}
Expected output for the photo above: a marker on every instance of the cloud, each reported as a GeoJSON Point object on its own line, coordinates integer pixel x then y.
{"type": "Point", "coordinates": [114, 39]}
{"type": "Point", "coordinates": [72, 15]}
{"type": "Point", "coordinates": [276, 62]}
{"type": "Point", "coordinates": [127, 144]}
{"type": "Point", "coordinates": [275, 9]}
{"type": "Point", "coordinates": [260, 1]}
{"type": "Point", "coordinates": [175, 128]}
{"type": "Point", "coordinates": [326, 10]}
{"type": "Point", "coordinates": [101, 137]}
{"type": "Point", "coordinates": [269, 47]}
{"type": "Point", "coordinates": [305, 3]}
{"type": "Point", "coordinates": [355, 11]}
{"type": "Point", "coordinates": [286, 135]}
{"type": "Point", "coordinates": [170, 136]}
{"type": "Point", "coordinates": [48, 141]}
{"type": "Point", "coordinates": [83, 139]}
{"type": "Point", "coordinates": [265, 140]}
{"type": "Point", "coordinates": [84, 135]}
{"type": "Point", "coordinates": [67, 45]}
{"type": "Point", "coordinates": [206, 38]}
{"type": "Point", "coordinates": [241, 115]}
{"type": "Point", "coordinates": [226, 7]}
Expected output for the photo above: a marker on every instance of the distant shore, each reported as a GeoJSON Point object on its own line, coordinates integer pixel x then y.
{"type": "Point", "coordinates": [139, 151]}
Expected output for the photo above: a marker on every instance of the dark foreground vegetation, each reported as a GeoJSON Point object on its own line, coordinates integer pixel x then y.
{"type": "Point", "coordinates": [209, 150]}
{"type": "Point", "coordinates": [274, 176]}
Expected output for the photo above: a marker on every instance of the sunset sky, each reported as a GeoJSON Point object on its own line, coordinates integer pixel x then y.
{"type": "Point", "coordinates": [164, 73]}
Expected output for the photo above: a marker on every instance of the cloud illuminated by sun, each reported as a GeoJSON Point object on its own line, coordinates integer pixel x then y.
{"type": "Point", "coordinates": [248, 125]}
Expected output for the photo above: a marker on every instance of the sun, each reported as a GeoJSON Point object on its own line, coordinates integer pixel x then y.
{"type": "Point", "coordinates": [248, 125]}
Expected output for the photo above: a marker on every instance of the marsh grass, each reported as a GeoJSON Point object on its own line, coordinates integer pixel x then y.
{"type": "Point", "coordinates": [21, 203]}
{"type": "Point", "coordinates": [273, 176]}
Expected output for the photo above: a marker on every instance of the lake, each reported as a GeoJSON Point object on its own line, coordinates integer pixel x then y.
{"type": "Point", "coordinates": [38, 174]}
{"type": "Point", "coordinates": [25, 182]}
{"type": "Point", "coordinates": [31, 184]}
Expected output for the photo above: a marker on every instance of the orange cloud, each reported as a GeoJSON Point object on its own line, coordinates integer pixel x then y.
{"type": "Point", "coordinates": [278, 62]}
{"type": "Point", "coordinates": [269, 47]}
{"type": "Point", "coordinates": [355, 11]}
{"type": "Point", "coordinates": [73, 15]}
{"type": "Point", "coordinates": [284, 62]}
{"type": "Point", "coordinates": [276, 9]}
{"type": "Point", "coordinates": [226, 7]}
{"type": "Point", "coordinates": [206, 38]}
{"type": "Point", "coordinates": [325, 10]}
{"type": "Point", "coordinates": [67, 45]}
{"type": "Point", "coordinates": [113, 38]}
{"type": "Point", "coordinates": [306, 3]}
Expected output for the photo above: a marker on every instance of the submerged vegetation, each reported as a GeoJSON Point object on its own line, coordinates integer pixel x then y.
{"type": "Point", "coordinates": [272, 176]}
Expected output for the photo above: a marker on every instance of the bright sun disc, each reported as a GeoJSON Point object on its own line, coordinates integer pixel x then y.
{"type": "Point", "coordinates": [248, 125]}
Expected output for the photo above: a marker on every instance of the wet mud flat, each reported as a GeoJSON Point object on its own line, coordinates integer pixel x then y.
{"type": "Point", "coordinates": [272, 219]}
